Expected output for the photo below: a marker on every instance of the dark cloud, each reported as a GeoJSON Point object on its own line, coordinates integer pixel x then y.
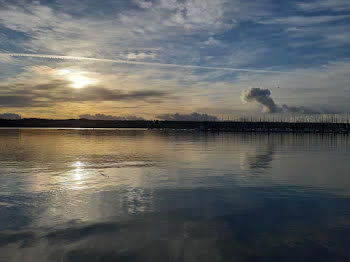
{"type": "Point", "coordinates": [299, 110]}
{"type": "Point", "coordinates": [45, 95]}
{"type": "Point", "coordinates": [23, 101]}
{"type": "Point", "coordinates": [104, 94]}
{"type": "Point", "coordinates": [190, 117]}
{"type": "Point", "coordinates": [10, 116]}
{"type": "Point", "coordinates": [260, 96]}
{"type": "Point", "coordinates": [263, 98]}
{"type": "Point", "coordinates": [109, 117]}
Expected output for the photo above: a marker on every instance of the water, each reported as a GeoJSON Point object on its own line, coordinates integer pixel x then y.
{"type": "Point", "coordinates": [144, 195]}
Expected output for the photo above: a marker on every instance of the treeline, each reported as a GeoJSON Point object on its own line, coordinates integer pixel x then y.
{"type": "Point", "coordinates": [234, 126]}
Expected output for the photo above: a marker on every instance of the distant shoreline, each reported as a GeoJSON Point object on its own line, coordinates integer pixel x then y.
{"type": "Point", "coordinates": [222, 126]}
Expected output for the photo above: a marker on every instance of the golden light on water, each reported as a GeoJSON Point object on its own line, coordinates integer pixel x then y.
{"type": "Point", "coordinates": [78, 171]}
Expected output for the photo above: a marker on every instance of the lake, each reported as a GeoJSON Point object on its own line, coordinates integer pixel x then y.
{"type": "Point", "coordinates": [156, 195]}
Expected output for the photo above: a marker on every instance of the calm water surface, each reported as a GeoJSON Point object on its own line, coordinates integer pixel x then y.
{"type": "Point", "coordinates": [142, 195]}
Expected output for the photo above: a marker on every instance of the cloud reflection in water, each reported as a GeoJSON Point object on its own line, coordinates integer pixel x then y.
{"type": "Point", "coordinates": [172, 196]}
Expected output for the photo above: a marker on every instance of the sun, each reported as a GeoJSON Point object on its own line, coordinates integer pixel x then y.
{"type": "Point", "coordinates": [80, 81]}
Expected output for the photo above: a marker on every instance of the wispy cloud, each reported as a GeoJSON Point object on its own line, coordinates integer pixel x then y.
{"type": "Point", "coordinates": [140, 55]}
{"type": "Point", "coordinates": [322, 5]}
{"type": "Point", "coordinates": [305, 20]}
{"type": "Point", "coordinates": [119, 61]}
{"type": "Point", "coordinates": [323, 30]}
{"type": "Point", "coordinates": [194, 14]}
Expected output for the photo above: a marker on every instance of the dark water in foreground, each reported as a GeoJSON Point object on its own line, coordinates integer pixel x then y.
{"type": "Point", "coordinates": [139, 195]}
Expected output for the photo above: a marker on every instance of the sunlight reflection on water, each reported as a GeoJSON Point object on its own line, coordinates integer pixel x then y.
{"type": "Point", "coordinates": [68, 195]}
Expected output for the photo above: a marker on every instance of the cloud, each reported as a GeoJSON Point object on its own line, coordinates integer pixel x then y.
{"type": "Point", "coordinates": [22, 94]}
{"type": "Point", "coordinates": [61, 57]}
{"type": "Point", "coordinates": [324, 30]}
{"type": "Point", "coordinates": [193, 14]}
{"type": "Point", "coordinates": [212, 41]}
{"type": "Point", "coordinates": [301, 110]}
{"type": "Point", "coordinates": [109, 117]}
{"type": "Point", "coordinates": [18, 101]}
{"type": "Point", "coordinates": [181, 35]}
{"type": "Point", "coordinates": [190, 117]}
{"type": "Point", "coordinates": [263, 98]}
{"type": "Point", "coordinates": [56, 29]}
{"type": "Point", "coordinates": [305, 20]}
{"type": "Point", "coordinates": [139, 55]}
{"type": "Point", "coordinates": [324, 5]}
{"type": "Point", "coordinates": [10, 116]}
{"type": "Point", "coordinates": [104, 94]}
{"type": "Point", "coordinates": [329, 36]}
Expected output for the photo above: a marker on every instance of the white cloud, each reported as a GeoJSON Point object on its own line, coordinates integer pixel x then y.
{"type": "Point", "coordinates": [322, 5]}
{"type": "Point", "coordinates": [194, 14]}
{"type": "Point", "coordinates": [317, 27]}
{"type": "Point", "coordinates": [157, 25]}
{"type": "Point", "coordinates": [135, 56]}
{"type": "Point", "coordinates": [329, 36]}
{"type": "Point", "coordinates": [212, 41]}
{"type": "Point", "coordinates": [163, 28]}
{"type": "Point", "coordinates": [305, 20]}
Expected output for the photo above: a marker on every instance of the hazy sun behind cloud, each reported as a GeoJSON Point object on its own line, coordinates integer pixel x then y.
{"type": "Point", "coordinates": [78, 79]}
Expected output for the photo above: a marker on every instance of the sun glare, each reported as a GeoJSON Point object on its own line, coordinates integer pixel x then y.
{"type": "Point", "coordinates": [80, 81]}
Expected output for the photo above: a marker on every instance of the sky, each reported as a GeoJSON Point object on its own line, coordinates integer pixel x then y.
{"type": "Point", "coordinates": [148, 59]}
